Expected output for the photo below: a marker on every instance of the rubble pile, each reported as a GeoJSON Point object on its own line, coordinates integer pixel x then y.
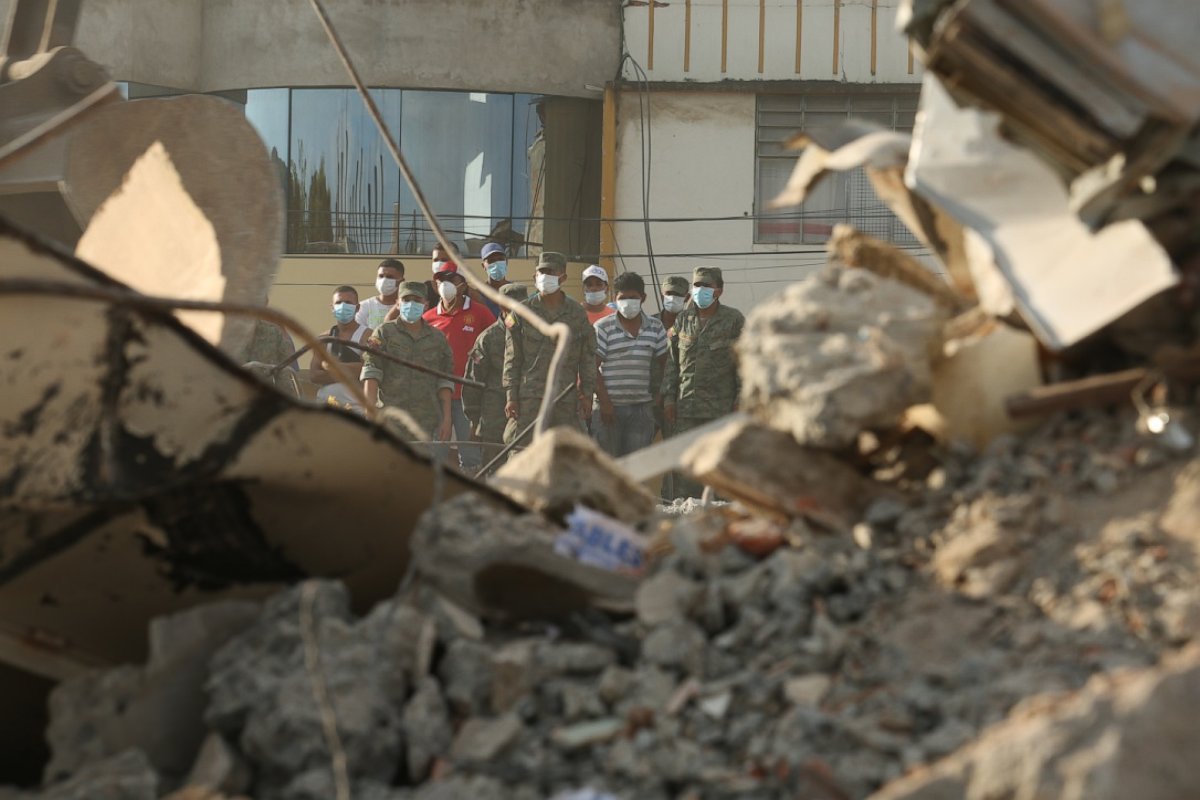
{"type": "Point", "coordinates": [828, 666]}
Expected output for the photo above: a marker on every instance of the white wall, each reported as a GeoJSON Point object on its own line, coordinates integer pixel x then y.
{"type": "Point", "coordinates": [702, 165]}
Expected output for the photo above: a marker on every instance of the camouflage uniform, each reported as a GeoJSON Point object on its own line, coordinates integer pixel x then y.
{"type": "Point", "coordinates": [415, 392]}
{"type": "Point", "coordinates": [702, 379]}
{"type": "Point", "coordinates": [269, 344]}
{"type": "Point", "coordinates": [268, 347]}
{"type": "Point", "coordinates": [485, 363]}
{"type": "Point", "coordinates": [527, 354]}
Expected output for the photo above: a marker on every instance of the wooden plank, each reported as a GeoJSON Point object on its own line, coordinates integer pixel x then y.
{"type": "Point", "coordinates": [1120, 112]}
{"type": "Point", "coordinates": [650, 37]}
{"type": "Point", "coordinates": [762, 33]}
{"type": "Point", "coordinates": [874, 32]}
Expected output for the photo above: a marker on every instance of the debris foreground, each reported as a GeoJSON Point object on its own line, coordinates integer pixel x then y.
{"type": "Point", "coordinates": [827, 665]}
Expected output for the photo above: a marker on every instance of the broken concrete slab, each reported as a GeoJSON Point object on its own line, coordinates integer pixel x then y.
{"type": "Point", "coordinates": [831, 356]}
{"type": "Point", "coordinates": [769, 471]}
{"type": "Point", "coordinates": [504, 566]}
{"type": "Point", "coordinates": [563, 467]}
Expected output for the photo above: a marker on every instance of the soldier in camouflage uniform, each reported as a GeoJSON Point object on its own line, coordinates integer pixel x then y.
{"type": "Point", "coordinates": [268, 347]}
{"type": "Point", "coordinates": [701, 383]}
{"type": "Point", "coordinates": [426, 397]}
{"type": "Point", "coordinates": [527, 354]}
{"type": "Point", "coordinates": [485, 363]}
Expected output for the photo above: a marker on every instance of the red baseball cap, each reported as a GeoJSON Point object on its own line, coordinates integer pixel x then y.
{"type": "Point", "coordinates": [443, 267]}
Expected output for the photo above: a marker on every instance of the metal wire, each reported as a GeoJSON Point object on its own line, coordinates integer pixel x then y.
{"type": "Point", "coordinates": [521, 435]}
{"type": "Point", "coordinates": [363, 348]}
{"type": "Point", "coordinates": [559, 331]}
{"type": "Point", "coordinates": [130, 298]}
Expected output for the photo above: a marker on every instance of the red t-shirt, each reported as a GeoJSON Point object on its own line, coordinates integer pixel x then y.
{"type": "Point", "coordinates": [461, 327]}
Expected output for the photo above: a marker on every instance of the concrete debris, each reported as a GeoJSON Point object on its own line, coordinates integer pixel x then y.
{"type": "Point", "coordinates": [125, 776]}
{"type": "Point", "coordinates": [563, 468]}
{"type": "Point", "coordinates": [157, 710]}
{"type": "Point", "coordinates": [504, 565]}
{"type": "Point", "coordinates": [820, 668]}
{"type": "Point", "coordinates": [1132, 735]}
{"type": "Point", "coordinates": [767, 470]}
{"type": "Point", "coordinates": [834, 355]}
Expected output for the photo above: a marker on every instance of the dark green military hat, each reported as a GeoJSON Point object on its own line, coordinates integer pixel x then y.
{"type": "Point", "coordinates": [709, 274]}
{"type": "Point", "coordinates": [552, 259]}
{"type": "Point", "coordinates": [676, 283]}
{"type": "Point", "coordinates": [517, 291]}
{"type": "Point", "coordinates": [414, 287]}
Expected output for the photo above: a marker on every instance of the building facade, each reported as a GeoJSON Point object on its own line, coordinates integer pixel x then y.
{"type": "Point", "coordinates": [710, 90]}
{"type": "Point", "coordinates": [640, 135]}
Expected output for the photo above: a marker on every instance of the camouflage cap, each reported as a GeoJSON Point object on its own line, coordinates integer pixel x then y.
{"type": "Point", "coordinates": [552, 259]}
{"type": "Point", "coordinates": [676, 283]}
{"type": "Point", "coordinates": [517, 291]}
{"type": "Point", "coordinates": [414, 287]}
{"type": "Point", "coordinates": [710, 274]}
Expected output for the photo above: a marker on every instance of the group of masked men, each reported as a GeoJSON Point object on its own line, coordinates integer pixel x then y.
{"type": "Point", "coordinates": [627, 375]}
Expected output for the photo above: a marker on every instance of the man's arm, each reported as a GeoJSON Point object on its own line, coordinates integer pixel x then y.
{"type": "Point", "coordinates": [586, 367]}
{"type": "Point", "coordinates": [372, 369]}
{"type": "Point", "coordinates": [317, 373]}
{"type": "Point", "coordinates": [445, 426]}
{"type": "Point", "coordinates": [514, 363]}
{"type": "Point", "coordinates": [670, 392]}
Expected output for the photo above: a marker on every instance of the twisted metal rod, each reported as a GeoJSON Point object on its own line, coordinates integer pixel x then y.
{"type": "Point", "coordinates": [557, 330]}
{"type": "Point", "coordinates": [41, 286]}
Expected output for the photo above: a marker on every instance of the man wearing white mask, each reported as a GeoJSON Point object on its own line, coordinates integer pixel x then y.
{"type": "Point", "coordinates": [595, 294]}
{"type": "Point", "coordinates": [675, 294]}
{"type": "Point", "coordinates": [461, 320]}
{"type": "Point", "coordinates": [495, 264]}
{"type": "Point", "coordinates": [631, 353]}
{"type": "Point", "coordinates": [527, 354]}
{"type": "Point", "coordinates": [373, 311]}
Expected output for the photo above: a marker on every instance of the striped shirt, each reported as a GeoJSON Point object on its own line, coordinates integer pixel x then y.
{"type": "Point", "coordinates": [625, 361]}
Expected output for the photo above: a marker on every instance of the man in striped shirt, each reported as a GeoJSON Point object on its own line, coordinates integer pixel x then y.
{"type": "Point", "coordinates": [631, 353]}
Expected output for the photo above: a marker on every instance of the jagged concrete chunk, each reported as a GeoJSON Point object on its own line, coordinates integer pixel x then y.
{"type": "Point", "coordinates": [500, 565]}
{"type": "Point", "coordinates": [564, 467]}
{"type": "Point", "coordinates": [426, 728]}
{"type": "Point", "coordinates": [842, 352]}
{"type": "Point", "coordinates": [768, 470]}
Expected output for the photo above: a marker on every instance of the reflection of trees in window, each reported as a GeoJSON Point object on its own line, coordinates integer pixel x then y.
{"type": "Point", "coordinates": [309, 209]}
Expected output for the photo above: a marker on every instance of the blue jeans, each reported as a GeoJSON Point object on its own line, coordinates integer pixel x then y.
{"type": "Point", "coordinates": [468, 454]}
{"type": "Point", "coordinates": [632, 429]}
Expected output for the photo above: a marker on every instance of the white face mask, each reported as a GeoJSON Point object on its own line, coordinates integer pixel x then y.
{"type": "Point", "coordinates": [386, 286]}
{"type": "Point", "coordinates": [674, 303]}
{"type": "Point", "coordinates": [447, 290]}
{"type": "Point", "coordinates": [629, 308]}
{"type": "Point", "coordinates": [546, 284]}
{"type": "Point", "coordinates": [594, 298]}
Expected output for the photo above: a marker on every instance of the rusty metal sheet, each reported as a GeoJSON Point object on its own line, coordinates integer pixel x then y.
{"type": "Point", "coordinates": [142, 471]}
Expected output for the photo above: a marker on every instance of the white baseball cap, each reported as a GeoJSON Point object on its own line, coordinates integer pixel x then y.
{"type": "Point", "coordinates": [595, 271]}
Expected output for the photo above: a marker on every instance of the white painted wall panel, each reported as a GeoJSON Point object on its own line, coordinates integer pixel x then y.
{"type": "Point", "coordinates": [702, 166]}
